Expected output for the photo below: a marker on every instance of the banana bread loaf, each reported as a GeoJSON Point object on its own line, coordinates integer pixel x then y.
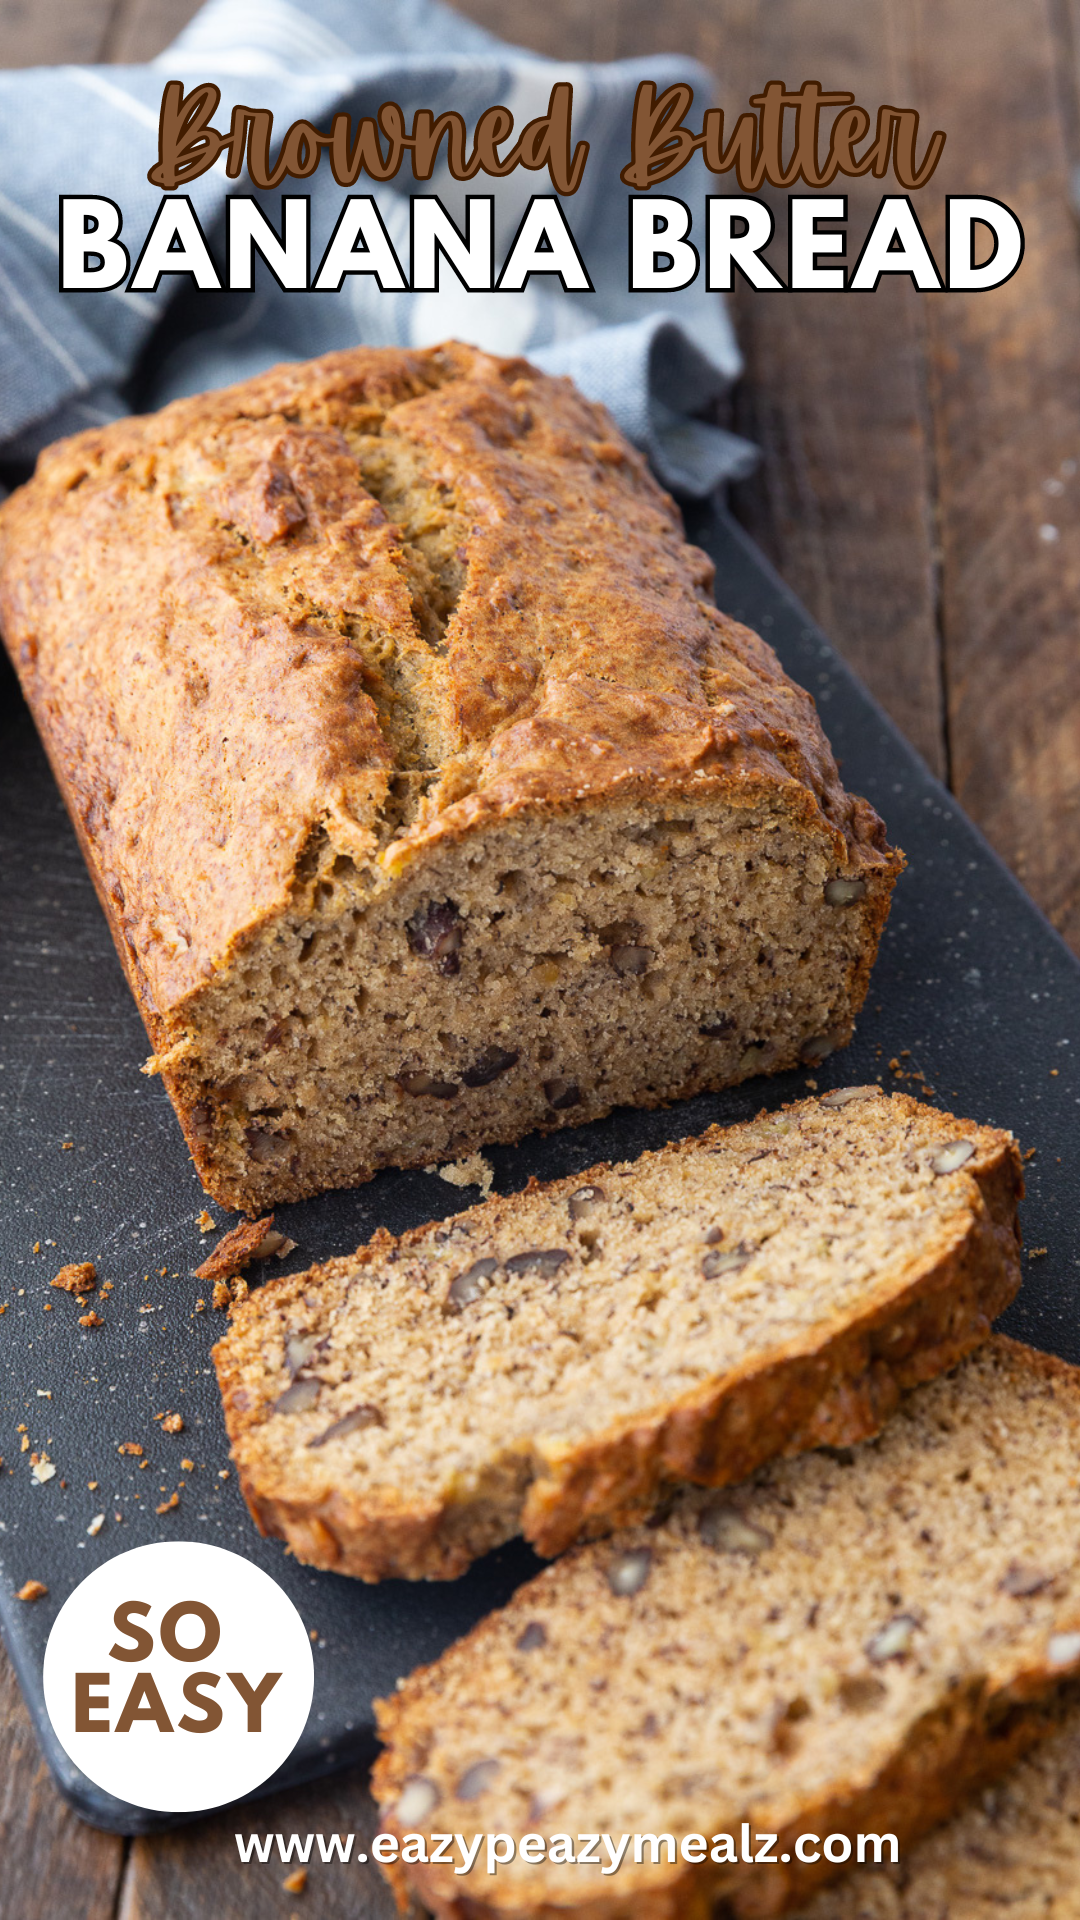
{"type": "Point", "coordinates": [428, 795]}
{"type": "Point", "coordinates": [849, 1644]}
{"type": "Point", "coordinates": [546, 1363]}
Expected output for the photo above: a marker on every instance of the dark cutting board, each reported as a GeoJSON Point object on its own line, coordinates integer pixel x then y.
{"type": "Point", "coordinates": [972, 982]}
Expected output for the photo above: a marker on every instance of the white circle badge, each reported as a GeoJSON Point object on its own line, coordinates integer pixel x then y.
{"type": "Point", "coordinates": [178, 1676]}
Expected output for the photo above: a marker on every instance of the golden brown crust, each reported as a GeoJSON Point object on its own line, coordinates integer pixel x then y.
{"type": "Point", "coordinates": [577, 664]}
{"type": "Point", "coordinates": [835, 1384]}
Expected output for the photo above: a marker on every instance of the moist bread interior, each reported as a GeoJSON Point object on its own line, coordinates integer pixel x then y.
{"type": "Point", "coordinates": [621, 956]}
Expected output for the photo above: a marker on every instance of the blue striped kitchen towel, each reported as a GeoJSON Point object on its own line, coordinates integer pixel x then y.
{"type": "Point", "coordinates": [658, 361]}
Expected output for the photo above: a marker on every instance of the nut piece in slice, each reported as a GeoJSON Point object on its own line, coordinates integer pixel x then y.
{"type": "Point", "coordinates": [549, 1363]}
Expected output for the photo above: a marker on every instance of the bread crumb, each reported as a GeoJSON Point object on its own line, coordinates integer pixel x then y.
{"type": "Point", "coordinates": [48, 1306]}
{"type": "Point", "coordinates": [200, 1306]}
{"type": "Point", "coordinates": [24, 1443]}
{"type": "Point", "coordinates": [80, 1277]}
{"type": "Point", "coordinates": [96, 1525]}
{"type": "Point", "coordinates": [66, 1146]}
{"type": "Point", "coordinates": [1037, 1253]}
{"type": "Point", "coordinates": [92, 1486]}
{"type": "Point", "coordinates": [41, 1468]}
{"type": "Point", "coordinates": [32, 1590]}
{"type": "Point", "coordinates": [221, 1296]}
{"type": "Point", "coordinates": [172, 1422]}
{"type": "Point", "coordinates": [37, 1246]}
{"type": "Point", "coordinates": [91, 1319]}
{"type": "Point", "coordinates": [168, 1505]}
{"type": "Point", "coordinates": [187, 1466]}
{"type": "Point", "coordinates": [205, 1221]}
{"type": "Point", "coordinates": [295, 1882]}
{"type": "Point", "coordinates": [129, 1446]}
{"type": "Point", "coordinates": [473, 1171]}
{"type": "Point", "coordinates": [236, 1248]}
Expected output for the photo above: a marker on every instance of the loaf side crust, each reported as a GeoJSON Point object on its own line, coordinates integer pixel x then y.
{"type": "Point", "coordinates": [834, 1384]}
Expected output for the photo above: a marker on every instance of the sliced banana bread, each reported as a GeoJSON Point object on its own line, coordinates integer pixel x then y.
{"type": "Point", "coordinates": [1012, 1854]}
{"type": "Point", "coordinates": [850, 1644]}
{"type": "Point", "coordinates": [429, 796]}
{"type": "Point", "coordinates": [545, 1363]}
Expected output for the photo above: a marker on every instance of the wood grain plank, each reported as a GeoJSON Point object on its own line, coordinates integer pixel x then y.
{"type": "Point", "coordinates": [1006, 408]}
{"type": "Point", "coordinates": [141, 29]}
{"type": "Point", "coordinates": [52, 1863]}
{"type": "Point", "coordinates": [42, 33]}
{"type": "Point", "coordinates": [561, 29]}
{"type": "Point", "coordinates": [196, 1872]}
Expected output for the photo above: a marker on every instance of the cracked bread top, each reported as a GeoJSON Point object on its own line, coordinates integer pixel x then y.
{"type": "Point", "coordinates": [390, 594]}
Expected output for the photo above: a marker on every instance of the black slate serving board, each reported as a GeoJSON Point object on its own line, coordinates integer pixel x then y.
{"type": "Point", "coordinates": [971, 980]}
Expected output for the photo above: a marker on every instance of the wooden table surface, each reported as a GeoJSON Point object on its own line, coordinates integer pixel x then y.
{"type": "Point", "coordinates": [915, 448]}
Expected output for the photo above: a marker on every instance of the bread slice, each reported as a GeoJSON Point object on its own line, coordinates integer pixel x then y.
{"type": "Point", "coordinates": [429, 796]}
{"type": "Point", "coordinates": [847, 1645]}
{"type": "Point", "coordinates": [1012, 1854]}
{"type": "Point", "coordinates": [545, 1363]}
